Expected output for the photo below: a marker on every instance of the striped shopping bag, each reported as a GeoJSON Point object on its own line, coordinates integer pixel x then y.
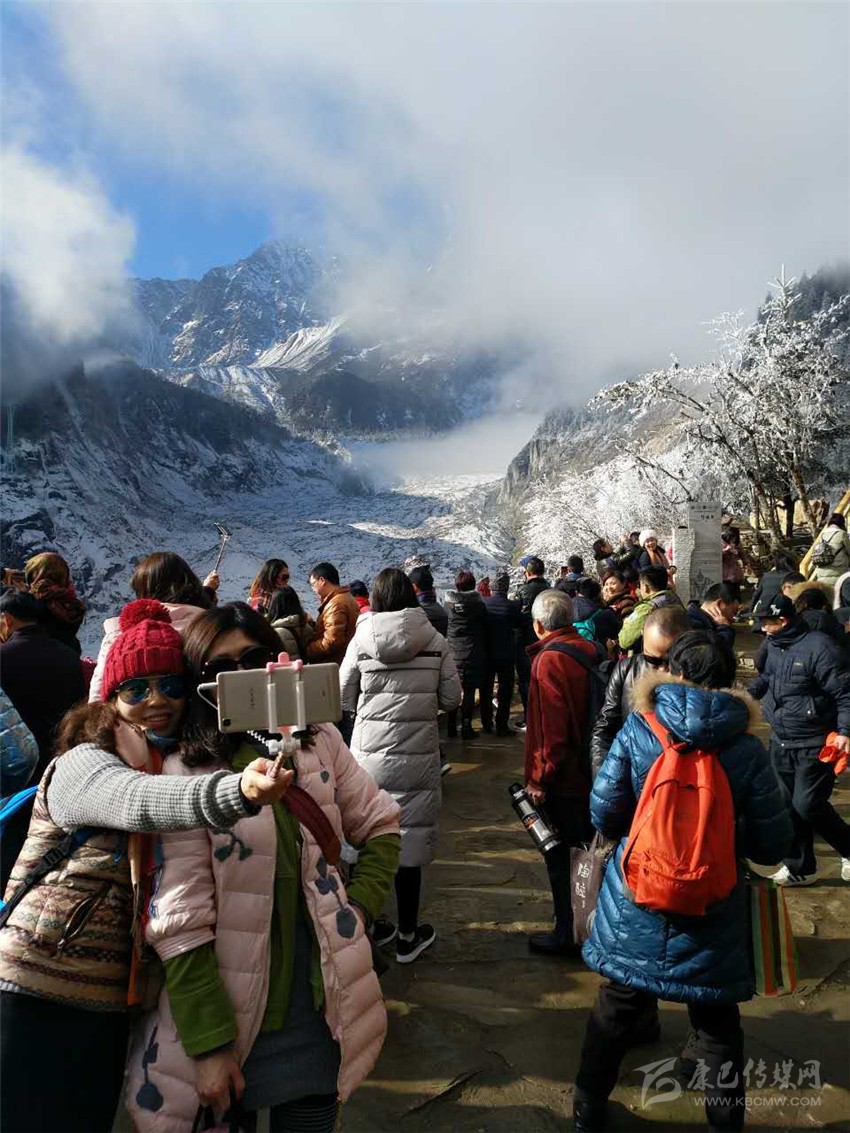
{"type": "Point", "coordinates": [774, 954]}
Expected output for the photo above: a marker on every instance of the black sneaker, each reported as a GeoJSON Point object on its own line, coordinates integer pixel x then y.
{"type": "Point", "coordinates": [503, 730]}
{"type": "Point", "coordinates": [383, 932]}
{"type": "Point", "coordinates": [445, 767]}
{"type": "Point", "coordinates": [468, 733]}
{"type": "Point", "coordinates": [406, 951]}
{"type": "Point", "coordinates": [519, 725]}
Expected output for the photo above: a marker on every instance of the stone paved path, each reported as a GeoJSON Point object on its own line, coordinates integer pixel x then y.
{"type": "Point", "coordinates": [483, 1036]}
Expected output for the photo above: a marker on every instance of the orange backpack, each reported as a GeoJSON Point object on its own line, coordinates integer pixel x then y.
{"type": "Point", "coordinates": [680, 855]}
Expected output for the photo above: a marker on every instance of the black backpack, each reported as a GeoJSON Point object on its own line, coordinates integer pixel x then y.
{"type": "Point", "coordinates": [597, 684]}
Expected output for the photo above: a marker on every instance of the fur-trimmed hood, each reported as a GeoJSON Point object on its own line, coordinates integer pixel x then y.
{"type": "Point", "coordinates": [826, 588]}
{"type": "Point", "coordinates": [705, 717]}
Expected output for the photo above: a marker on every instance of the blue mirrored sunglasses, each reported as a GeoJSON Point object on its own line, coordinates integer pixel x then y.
{"type": "Point", "coordinates": [137, 689]}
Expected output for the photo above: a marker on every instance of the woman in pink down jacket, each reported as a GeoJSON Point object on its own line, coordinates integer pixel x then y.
{"type": "Point", "coordinates": [270, 995]}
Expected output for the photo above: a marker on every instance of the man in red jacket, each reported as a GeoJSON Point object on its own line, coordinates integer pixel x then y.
{"type": "Point", "coordinates": [555, 771]}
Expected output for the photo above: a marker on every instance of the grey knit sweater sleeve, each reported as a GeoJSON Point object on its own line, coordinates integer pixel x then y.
{"type": "Point", "coordinates": [92, 787]}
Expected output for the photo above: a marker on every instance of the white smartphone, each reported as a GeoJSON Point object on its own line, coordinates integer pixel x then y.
{"type": "Point", "coordinates": [254, 699]}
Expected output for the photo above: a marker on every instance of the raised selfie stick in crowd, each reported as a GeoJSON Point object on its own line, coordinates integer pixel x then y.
{"type": "Point", "coordinates": [224, 535]}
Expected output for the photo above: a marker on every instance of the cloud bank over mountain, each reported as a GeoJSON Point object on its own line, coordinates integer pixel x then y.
{"type": "Point", "coordinates": [596, 180]}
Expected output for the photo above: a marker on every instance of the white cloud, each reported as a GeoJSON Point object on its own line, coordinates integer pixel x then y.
{"type": "Point", "coordinates": [65, 250]}
{"type": "Point", "coordinates": [611, 175]}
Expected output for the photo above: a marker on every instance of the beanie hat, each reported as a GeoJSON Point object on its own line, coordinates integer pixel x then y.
{"type": "Point", "coordinates": [148, 644]}
{"type": "Point", "coordinates": [648, 533]}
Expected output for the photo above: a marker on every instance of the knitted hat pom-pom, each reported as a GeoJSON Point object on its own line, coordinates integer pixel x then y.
{"type": "Point", "coordinates": [145, 609]}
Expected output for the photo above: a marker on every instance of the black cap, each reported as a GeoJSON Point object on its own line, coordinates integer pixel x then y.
{"type": "Point", "coordinates": [780, 607]}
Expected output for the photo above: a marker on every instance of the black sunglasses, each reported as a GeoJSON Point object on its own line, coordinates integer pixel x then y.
{"type": "Point", "coordinates": [257, 657]}
{"type": "Point", "coordinates": [655, 662]}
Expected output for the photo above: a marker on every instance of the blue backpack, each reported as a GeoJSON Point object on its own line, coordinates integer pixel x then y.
{"type": "Point", "coordinates": [53, 858]}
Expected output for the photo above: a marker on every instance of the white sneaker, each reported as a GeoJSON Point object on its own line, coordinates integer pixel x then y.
{"type": "Point", "coordinates": [845, 869]}
{"type": "Point", "coordinates": [785, 877]}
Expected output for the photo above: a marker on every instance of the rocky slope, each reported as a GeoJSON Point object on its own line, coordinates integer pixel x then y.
{"type": "Point", "coordinates": [111, 466]}
{"type": "Point", "coordinates": [265, 332]}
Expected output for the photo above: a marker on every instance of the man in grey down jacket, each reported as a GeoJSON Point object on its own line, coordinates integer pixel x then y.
{"type": "Point", "coordinates": [396, 673]}
{"type": "Point", "coordinates": [804, 686]}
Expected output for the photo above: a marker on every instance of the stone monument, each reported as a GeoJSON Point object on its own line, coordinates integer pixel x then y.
{"type": "Point", "coordinates": [697, 551]}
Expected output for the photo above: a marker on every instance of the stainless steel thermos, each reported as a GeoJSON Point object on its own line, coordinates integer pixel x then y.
{"type": "Point", "coordinates": [533, 819]}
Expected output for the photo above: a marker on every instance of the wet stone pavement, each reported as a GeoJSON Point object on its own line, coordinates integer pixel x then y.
{"type": "Point", "coordinates": [485, 1036]}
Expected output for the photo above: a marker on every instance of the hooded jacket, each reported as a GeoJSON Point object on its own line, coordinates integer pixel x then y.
{"type": "Point", "coordinates": [467, 634]}
{"type": "Point", "coordinates": [396, 673]}
{"type": "Point", "coordinates": [181, 615]}
{"type": "Point", "coordinates": [295, 634]}
{"type": "Point", "coordinates": [689, 959]}
{"type": "Point", "coordinates": [804, 684]}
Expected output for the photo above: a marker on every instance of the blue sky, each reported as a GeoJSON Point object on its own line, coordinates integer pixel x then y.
{"type": "Point", "coordinates": [181, 232]}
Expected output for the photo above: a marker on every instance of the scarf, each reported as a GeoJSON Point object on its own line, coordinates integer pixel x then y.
{"type": "Point", "coordinates": [61, 601]}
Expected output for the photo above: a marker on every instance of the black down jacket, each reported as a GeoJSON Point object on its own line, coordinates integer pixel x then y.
{"type": "Point", "coordinates": [503, 616]}
{"type": "Point", "coordinates": [467, 634]}
{"type": "Point", "coordinates": [804, 684]}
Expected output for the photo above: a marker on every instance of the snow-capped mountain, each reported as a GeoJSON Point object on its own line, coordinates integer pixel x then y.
{"type": "Point", "coordinates": [112, 466]}
{"type": "Point", "coordinates": [264, 332]}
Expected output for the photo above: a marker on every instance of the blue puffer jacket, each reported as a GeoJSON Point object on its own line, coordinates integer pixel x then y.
{"type": "Point", "coordinates": [687, 959]}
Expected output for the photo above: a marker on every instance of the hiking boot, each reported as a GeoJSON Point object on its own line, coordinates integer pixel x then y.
{"type": "Point", "coordinates": [383, 932]}
{"type": "Point", "coordinates": [789, 880]}
{"type": "Point", "coordinates": [589, 1117]}
{"type": "Point", "coordinates": [550, 944]}
{"type": "Point", "coordinates": [406, 951]}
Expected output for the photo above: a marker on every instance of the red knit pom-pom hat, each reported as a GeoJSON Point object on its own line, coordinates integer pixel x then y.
{"type": "Point", "coordinates": [149, 644]}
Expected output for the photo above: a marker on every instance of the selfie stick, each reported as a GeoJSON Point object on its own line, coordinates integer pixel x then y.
{"type": "Point", "coordinates": [224, 534]}
{"type": "Point", "coordinates": [288, 745]}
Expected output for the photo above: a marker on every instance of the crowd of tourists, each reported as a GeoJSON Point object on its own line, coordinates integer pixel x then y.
{"type": "Point", "coordinates": [195, 923]}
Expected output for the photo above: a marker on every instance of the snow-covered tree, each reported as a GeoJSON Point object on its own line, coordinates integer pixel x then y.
{"type": "Point", "coordinates": [767, 410]}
